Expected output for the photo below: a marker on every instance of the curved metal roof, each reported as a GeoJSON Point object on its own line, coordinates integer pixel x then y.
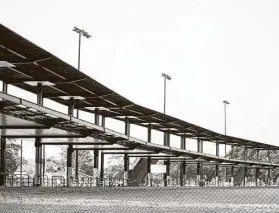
{"type": "Point", "coordinates": [24, 63]}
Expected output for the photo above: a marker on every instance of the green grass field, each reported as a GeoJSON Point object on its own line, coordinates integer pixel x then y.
{"type": "Point", "coordinates": [136, 200]}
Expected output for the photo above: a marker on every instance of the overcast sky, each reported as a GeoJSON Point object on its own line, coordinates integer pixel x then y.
{"type": "Point", "coordinates": [213, 50]}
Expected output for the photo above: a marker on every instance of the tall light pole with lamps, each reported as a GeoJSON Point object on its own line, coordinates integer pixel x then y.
{"type": "Point", "coordinates": [225, 117]}
{"type": "Point", "coordinates": [86, 35]}
{"type": "Point", "coordinates": [225, 114]}
{"type": "Point", "coordinates": [166, 77]}
{"type": "Point", "coordinates": [167, 163]}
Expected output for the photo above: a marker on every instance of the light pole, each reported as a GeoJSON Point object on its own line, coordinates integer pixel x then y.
{"type": "Point", "coordinates": [85, 34]}
{"type": "Point", "coordinates": [167, 163]}
{"type": "Point", "coordinates": [80, 33]}
{"type": "Point", "coordinates": [225, 114]}
{"type": "Point", "coordinates": [166, 77]}
{"type": "Point", "coordinates": [225, 117]}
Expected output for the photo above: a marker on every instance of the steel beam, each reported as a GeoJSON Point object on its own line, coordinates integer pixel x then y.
{"type": "Point", "coordinates": [24, 127]}
{"type": "Point", "coordinates": [75, 143]}
{"type": "Point", "coordinates": [103, 148]}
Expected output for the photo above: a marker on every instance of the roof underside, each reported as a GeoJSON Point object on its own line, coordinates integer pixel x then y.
{"type": "Point", "coordinates": [17, 115]}
{"type": "Point", "coordinates": [28, 62]}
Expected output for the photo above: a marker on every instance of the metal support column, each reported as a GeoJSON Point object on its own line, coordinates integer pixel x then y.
{"type": "Point", "coordinates": [268, 177]}
{"type": "Point", "coordinates": [148, 169]}
{"type": "Point", "coordinates": [70, 147]}
{"type": "Point", "coordinates": [183, 142]}
{"type": "Point", "coordinates": [182, 173]}
{"type": "Point", "coordinates": [257, 169]}
{"type": "Point", "coordinates": [198, 173]}
{"type": "Point", "coordinates": [97, 154]}
{"type": "Point", "coordinates": [102, 166]}
{"type": "Point", "coordinates": [103, 121]}
{"type": "Point", "coordinates": [38, 157]}
{"type": "Point", "coordinates": [258, 155]}
{"type": "Point", "coordinates": [217, 149]}
{"type": "Point", "coordinates": [232, 155]}
{"type": "Point", "coordinates": [199, 165]}
{"type": "Point", "coordinates": [149, 133]}
{"type": "Point", "coordinates": [245, 153]}
{"type": "Point", "coordinates": [183, 164]}
{"type": "Point", "coordinates": [257, 177]}
{"type": "Point", "coordinates": [245, 176]}
{"type": "Point", "coordinates": [127, 127]}
{"type": "Point", "coordinates": [69, 164]}
{"type": "Point", "coordinates": [166, 175]}
{"type": "Point", "coordinates": [38, 147]}
{"type": "Point", "coordinates": [268, 156]}
{"type": "Point", "coordinates": [102, 159]}
{"type": "Point", "coordinates": [77, 159]}
{"type": "Point", "coordinates": [96, 167]}
{"type": "Point", "coordinates": [217, 175]}
{"type": "Point", "coordinates": [148, 172]}
{"type": "Point", "coordinates": [97, 116]}
{"type": "Point", "coordinates": [2, 161]}
{"type": "Point", "coordinates": [126, 169]}
{"type": "Point", "coordinates": [3, 147]}
{"type": "Point", "coordinates": [232, 175]}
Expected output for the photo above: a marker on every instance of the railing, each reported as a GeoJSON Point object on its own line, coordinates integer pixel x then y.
{"type": "Point", "coordinates": [61, 181]}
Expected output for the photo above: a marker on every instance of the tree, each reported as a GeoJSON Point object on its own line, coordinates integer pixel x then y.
{"type": "Point", "coordinates": [11, 156]}
{"type": "Point", "coordinates": [239, 153]}
{"type": "Point", "coordinates": [85, 160]}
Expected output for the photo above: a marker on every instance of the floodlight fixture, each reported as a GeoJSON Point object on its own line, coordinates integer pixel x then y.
{"type": "Point", "coordinates": [5, 64]}
{"type": "Point", "coordinates": [77, 30]}
{"type": "Point", "coordinates": [43, 83]}
{"type": "Point", "coordinates": [225, 102]}
{"type": "Point", "coordinates": [66, 97]}
{"type": "Point", "coordinates": [51, 116]}
{"type": "Point", "coordinates": [83, 32]}
{"type": "Point", "coordinates": [166, 76]}
{"type": "Point", "coordinates": [21, 106]}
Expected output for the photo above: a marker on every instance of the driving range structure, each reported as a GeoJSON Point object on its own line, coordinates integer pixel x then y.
{"type": "Point", "coordinates": [29, 67]}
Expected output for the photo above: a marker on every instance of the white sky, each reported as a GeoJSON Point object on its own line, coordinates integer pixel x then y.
{"type": "Point", "coordinates": [213, 50]}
